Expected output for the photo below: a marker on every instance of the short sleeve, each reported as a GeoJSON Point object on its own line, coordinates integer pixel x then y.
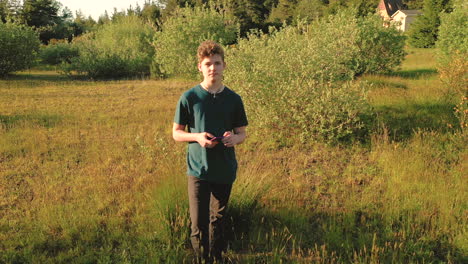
{"type": "Point", "coordinates": [240, 118]}
{"type": "Point", "coordinates": [181, 116]}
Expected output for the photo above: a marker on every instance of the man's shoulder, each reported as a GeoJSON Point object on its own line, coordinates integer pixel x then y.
{"type": "Point", "coordinates": [231, 92]}
{"type": "Point", "coordinates": [190, 93]}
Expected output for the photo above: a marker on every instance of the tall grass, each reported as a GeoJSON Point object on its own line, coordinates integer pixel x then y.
{"type": "Point", "coordinates": [89, 173]}
{"type": "Point", "coordinates": [80, 165]}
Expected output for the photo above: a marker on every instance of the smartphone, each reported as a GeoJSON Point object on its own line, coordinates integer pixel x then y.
{"type": "Point", "coordinates": [216, 139]}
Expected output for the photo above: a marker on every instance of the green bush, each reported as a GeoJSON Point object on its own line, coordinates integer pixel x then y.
{"type": "Point", "coordinates": [424, 30]}
{"type": "Point", "coordinates": [453, 31]}
{"type": "Point", "coordinates": [18, 47]}
{"type": "Point", "coordinates": [118, 49]}
{"type": "Point", "coordinates": [452, 62]}
{"type": "Point", "coordinates": [453, 50]}
{"type": "Point", "coordinates": [380, 49]}
{"type": "Point", "coordinates": [176, 44]}
{"type": "Point", "coordinates": [58, 53]}
{"type": "Point", "coordinates": [292, 80]}
{"type": "Point", "coordinates": [295, 80]}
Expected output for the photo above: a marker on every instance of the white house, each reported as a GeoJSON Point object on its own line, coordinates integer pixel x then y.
{"type": "Point", "coordinates": [403, 18]}
{"type": "Point", "coordinates": [387, 8]}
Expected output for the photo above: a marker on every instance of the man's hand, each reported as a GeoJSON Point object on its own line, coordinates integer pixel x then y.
{"type": "Point", "coordinates": [230, 139]}
{"type": "Point", "coordinates": [179, 134]}
{"type": "Point", "coordinates": [204, 140]}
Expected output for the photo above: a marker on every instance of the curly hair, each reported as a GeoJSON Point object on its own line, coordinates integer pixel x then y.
{"type": "Point", "coordinates": [209, 48]}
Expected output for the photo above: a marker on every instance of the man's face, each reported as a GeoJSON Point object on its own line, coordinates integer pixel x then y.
{"type": "Point", "coordinates": [212, 68]}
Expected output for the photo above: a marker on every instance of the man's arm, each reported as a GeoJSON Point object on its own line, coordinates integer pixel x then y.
{"type": "Point", "coordinates": [237, 138]}
{"type": "Point", "coordinates": [179, 134]}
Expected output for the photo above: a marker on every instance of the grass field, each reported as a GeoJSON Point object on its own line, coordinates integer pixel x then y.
{"type": "Point", "coordinates": [89, 173]}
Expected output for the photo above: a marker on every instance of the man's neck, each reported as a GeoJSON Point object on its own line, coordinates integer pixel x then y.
{"type": "Point", "coordinates": [213, 88]}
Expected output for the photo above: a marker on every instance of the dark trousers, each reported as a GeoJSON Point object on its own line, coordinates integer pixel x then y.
{"type": "Point", "coordinates": [208, 203]}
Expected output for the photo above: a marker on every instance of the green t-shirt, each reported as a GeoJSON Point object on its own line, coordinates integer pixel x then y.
{"type": "Point", "coordinates": [215, 114]}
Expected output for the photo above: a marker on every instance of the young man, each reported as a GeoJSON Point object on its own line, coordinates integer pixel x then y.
{"type": "Point", "coordinates": [216, 121]}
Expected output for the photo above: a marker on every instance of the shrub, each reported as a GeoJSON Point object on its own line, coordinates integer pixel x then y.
{"type": "Point", "coordinates": [180, 35]}
{"type": "Point", "coordinates": [453, 51]}
{"type": "Point", "coordinates": [18, 47]}
{"type": "Point", "coordinates": [58, 53]}
{"type": "Point", "coordinates": [461, 112]}
{"type": "Point", "coordinates": [380, 49]}
{"type": "Point", "coordinates": [425, 29]}
{"type": "Point", "coordinates": [291, 80]}
{"type": "Point", "coordinates": [118, 49]}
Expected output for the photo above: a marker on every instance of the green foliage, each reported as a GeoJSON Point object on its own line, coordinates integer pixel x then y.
{"type": "Point", "coordinates": [380, 49]}
{"type": "Point", "coordinates": [58, 53]}
{"type": "Point", "coordinates": [81, 24]}
{"type": "Point", "coordinates": [425, 29]}
{"type": "Point", "coordinates": [172, 213]}
{"type": "Point", "coordinates": [18, 47]}
{"type": "Point", "coordinates": [4, 12]}
{"type": "Point", "coordinates": [413, 4]}
{"type": "Point", "coordinates": [283, 11]}
{"type": "Point", "coordinates": [171, 5]}
{"type": "Point", "coordinates": [364, 7]}
{"type": "Point", "coordinates": [452, 59]}
{"type": "Point", "coordinates": [461, 113]}
{"type": "Point", "coordinates": [151, 12]}
{"type": "Point", "coordinates": [249, 14]}
{"type": "Point", "coordinates": [310, 9]}
{"type": "Point", "coordinates": [290, 78]}
{"type": "Point", "coordinates": [116, 50]}
{"type": "Point", "coordinates": [290, 10]}
{"type": "Point", "coordinates": [453, 51]}
{"type": "Point", "coordinates": [48, 18]}
{"type": "Point", "coordinates": [453, 32]}
{"type": "Point", "coordinates": [331, 113]}
{"type": "Point", "coordinates": [104, 18]}
{"type": "Point", "coordinates": [176, 44]}
{"type": "Point", "coordinates": [283, 79]}
{"type": "Point", "coordinates": [40, 13]}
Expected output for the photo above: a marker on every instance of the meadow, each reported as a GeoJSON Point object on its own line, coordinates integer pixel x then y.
{"type": "Point", "coordinates": [89, 173]}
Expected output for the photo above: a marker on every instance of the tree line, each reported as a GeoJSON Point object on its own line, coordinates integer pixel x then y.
{"type": "Point", "coordinates": [52, 20]}
{"type": "Point", "coordinates": [77, 38]}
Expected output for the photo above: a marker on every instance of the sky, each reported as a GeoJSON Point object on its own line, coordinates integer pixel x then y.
{"type": "Point", "coordinates": [95, 8]}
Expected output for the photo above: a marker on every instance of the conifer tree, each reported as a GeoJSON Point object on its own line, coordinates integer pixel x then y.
{"type": "Point", "coordinates": [3, 10]}
{"type": "Point", "coordinates": [310, 9]}
{"type": "Point", "coordinates": [413, 4]}
{"type": "Point", "coordinates": [283, 11]}
{"type": "Point", "coordinates": [424, 31]}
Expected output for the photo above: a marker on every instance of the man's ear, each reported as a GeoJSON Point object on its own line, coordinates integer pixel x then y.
{"type": "Point", "coordinates": [199, 67]}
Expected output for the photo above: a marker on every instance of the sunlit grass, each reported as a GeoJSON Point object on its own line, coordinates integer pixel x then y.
{"type": "Point", "coordinates": [412, 98]}
{"type": "Point", "coordinates": [89, 173]}
{"type": "Point", "coordinates": [79, 158]}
